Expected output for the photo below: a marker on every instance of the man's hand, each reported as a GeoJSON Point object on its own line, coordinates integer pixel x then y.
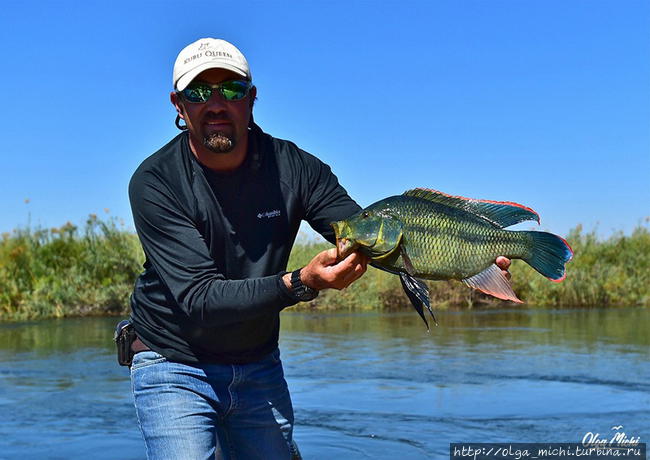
{"type": "Point", "coordinates": [503, 264]}
{"type": "Point", "coordinates": [323, 271]}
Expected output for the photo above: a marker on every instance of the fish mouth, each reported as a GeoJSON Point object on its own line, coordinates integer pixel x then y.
{"type": "Point", "coordinates": [344, 246]}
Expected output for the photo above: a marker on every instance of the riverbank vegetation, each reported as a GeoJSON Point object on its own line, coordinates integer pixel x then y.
{"type": "Point", "coordinates": [72, 271]}
{"type": "Point", "coordinates": [68, 271]}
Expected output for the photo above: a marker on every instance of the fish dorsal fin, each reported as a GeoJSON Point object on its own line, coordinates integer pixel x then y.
{"type": "Point", "coordinates": [500, 213]}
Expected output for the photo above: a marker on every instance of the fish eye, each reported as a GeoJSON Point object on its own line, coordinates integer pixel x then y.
{"type": "Point", "coordinates": [364, 214]}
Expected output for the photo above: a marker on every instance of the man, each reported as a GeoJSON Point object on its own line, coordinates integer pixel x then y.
{"type": "Point", "coordinates": [217, 210]}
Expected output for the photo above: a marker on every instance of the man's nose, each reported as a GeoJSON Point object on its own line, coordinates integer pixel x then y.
{"type": "Point", "coordinates": [216, 100]}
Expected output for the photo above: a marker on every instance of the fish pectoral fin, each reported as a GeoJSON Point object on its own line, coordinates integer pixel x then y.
{"type": "Point", "coordinates": [418, 293]}
{"type": "Point", "coordinates": [492, 281]}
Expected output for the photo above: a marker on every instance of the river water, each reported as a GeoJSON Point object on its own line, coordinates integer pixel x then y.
{"type": "Point", "coordinates": [364, 385]}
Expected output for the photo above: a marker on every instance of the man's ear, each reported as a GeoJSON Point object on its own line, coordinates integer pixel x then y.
{"type": "Point", "coordinates": [179, 109]}
{"type": "Point", "coordinates": [176, 102]}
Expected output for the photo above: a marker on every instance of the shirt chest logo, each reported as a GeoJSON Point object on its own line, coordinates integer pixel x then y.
{"type": "Point", "coordinates": [269, 214]}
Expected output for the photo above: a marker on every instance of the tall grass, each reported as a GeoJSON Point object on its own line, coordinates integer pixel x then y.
{"type": "Point", "coordinates": [71, 271]}
{"type": "Point", "coordinates": [67, 271]}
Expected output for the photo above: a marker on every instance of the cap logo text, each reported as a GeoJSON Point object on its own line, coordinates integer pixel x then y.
{"type": "Point", "coordinates": [212, 53]}
{"type": "Point", "coordinates": [208, 53]}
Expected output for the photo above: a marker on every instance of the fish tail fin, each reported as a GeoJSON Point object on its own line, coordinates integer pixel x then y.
{"type": "Point", "coordinates": [548, 254]}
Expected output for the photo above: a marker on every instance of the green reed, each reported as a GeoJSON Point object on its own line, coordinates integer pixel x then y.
{"type": "Point", "coordinates": [68, 271]}
{"type": "Point", "coordinates": [71, 271]}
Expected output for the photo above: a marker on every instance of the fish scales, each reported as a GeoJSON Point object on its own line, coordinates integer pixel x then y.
{"type": "Point", "coordinates": [444, 242]}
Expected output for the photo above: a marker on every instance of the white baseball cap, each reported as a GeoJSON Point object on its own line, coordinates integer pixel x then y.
{"type": "Point", "coordinates": [208, 53]}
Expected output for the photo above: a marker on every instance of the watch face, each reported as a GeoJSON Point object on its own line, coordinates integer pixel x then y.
{"type": "Point", "coordinates": [312, 294]}
{"type": "Point", "coordinates": [299, 290]}
{"type": "Point", "coordinates": [305, 293]}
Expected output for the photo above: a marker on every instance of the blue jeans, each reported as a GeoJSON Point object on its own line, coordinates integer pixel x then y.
{"type": "Point", "coordinates": [208, 411]}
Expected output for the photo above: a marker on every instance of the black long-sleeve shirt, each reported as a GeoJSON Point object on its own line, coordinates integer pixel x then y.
{"type": "Point", "coordinates": [216, 245]}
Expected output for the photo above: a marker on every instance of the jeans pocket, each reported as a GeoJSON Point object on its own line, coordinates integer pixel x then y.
{"type": "Point", "coordinates": [146, 358]}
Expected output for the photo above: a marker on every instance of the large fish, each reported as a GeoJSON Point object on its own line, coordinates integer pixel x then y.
{"type": "Point", "coordinates": [425, 234]}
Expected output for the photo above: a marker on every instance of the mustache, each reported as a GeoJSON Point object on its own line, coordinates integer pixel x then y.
{"type": "Point", "coordinates": [213, 116]}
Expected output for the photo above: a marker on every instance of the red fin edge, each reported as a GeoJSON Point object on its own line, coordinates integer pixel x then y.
{"type": "Point", "coordinates": [559, 280]}
{"type": "Point", "coordinates": [501, 296]}
{"type": "Point", "coordinates": [509, 203]}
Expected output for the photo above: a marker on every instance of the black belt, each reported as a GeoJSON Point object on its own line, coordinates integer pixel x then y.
{"type": "Point", "coordinates": [137, 346]}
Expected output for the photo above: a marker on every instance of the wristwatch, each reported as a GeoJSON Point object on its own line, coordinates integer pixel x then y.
{"type": "Point", "coordinates": [300, 291]}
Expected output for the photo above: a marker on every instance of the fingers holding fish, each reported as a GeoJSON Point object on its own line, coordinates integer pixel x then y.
{"type": "Point", "coordinates": [504, 264]}
{"type": "Point", "coordinates": [359, 265]}
{"type": "Point", "coordinates": [324, 272]}
{"type": "Point", "coordinates": [358, 260]}
{"type": "Point", "coordinates": [349, 270]}
{"type": "Point", "coordinates": [327, 257]}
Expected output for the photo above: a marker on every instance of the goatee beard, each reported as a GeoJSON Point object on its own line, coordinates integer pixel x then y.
{"type": "Point", "coordinates": [218, 143]}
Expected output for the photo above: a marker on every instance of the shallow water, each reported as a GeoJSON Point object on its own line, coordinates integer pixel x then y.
{"type": "Point", "coordinates": [365, 385]}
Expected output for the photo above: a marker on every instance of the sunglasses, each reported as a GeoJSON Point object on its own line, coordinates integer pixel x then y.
{"type": "Point", "coordinates": [232, 90]}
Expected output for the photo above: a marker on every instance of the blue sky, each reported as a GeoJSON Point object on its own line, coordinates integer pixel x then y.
{"type": "Point", "coordinates": [542, 103]}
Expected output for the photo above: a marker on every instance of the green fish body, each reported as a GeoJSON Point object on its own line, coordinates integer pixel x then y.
{"type": "Point", "coordinates": [425, 234]}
